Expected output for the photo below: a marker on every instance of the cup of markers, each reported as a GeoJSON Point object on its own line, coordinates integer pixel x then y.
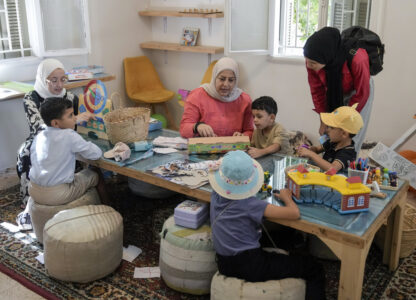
{"type": "Point", "coordinates": [359, 168]}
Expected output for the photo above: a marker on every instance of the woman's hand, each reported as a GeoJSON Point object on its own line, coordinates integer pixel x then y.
{"type": "Point", "coordinates": [237, 133]}
{"type": "Point", "coordinates": [85, 117]}
{"type": "Point", "coordinates": [322, 128]}
{"type": "Point", "coordinates": [205, 130]}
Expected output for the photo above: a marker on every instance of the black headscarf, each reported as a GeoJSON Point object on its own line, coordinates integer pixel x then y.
{"type": "Point", "coordinates": [325, 47]}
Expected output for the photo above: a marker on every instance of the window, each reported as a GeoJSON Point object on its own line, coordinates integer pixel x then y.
{"type": "Point", "coordinates": [361, 201]}
{"type": "Point", "coordinates": [43, 28]}
{"type": "Point", "coordinates": [351, 202]}
{"type": "Point", "coordinates": [14, 36]}
{"type": "Point", "coordinates": [281, 27]}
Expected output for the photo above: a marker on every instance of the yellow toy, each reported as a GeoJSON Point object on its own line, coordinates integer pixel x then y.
{"type": "Point", "coordinates": [346, 195]}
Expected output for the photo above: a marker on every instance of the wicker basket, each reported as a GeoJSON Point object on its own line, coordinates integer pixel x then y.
{"type": "Point", "coordinates": [408, 243]}
{"type": "Point", "coordinates": [127, 125]}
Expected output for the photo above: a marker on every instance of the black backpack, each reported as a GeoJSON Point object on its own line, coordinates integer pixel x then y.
{"type": "Point", "coordinates": [359, 37]}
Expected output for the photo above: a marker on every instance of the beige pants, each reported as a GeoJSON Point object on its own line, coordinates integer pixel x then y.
{"type": "Point", "coordinates": [64, 193]}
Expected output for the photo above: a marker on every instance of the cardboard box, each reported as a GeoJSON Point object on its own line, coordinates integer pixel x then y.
{"type": "Point", "coordinates": [218, 144]}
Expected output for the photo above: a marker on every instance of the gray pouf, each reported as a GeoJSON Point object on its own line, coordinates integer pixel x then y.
{"type": "Point", "coordinates": [84, 243]}
{"type": "Point", "coordinates": [40, 213]}
{"type": "Point", "coordinates": [147, 190]}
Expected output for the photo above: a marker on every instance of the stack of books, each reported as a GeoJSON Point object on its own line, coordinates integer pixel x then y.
{"type": "Point", "coordinates": [84, 72]}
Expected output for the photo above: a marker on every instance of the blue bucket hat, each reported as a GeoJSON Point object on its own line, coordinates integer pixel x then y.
{"type": "Point", "coordinates": [238, 177]}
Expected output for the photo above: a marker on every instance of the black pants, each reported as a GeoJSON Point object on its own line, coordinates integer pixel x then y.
{"type": "Point", "coordinates": [258, 265]}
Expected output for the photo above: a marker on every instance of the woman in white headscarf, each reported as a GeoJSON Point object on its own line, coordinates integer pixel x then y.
{"type": "Point", "coordinates": [50, 80]}
{"type": "Point", "coordinates": [219, 108]}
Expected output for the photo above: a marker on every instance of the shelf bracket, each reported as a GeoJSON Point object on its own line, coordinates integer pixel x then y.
{"type": "Point", "coordinates": [209, 59]}
{"type": "Point", "coordinates": [165, 24]}
{"type": "Point", "coordinates": [165, 56]}
{"type": "Point", "coordinates": [209, 26]}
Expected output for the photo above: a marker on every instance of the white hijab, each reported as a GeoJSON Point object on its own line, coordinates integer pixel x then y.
{"type": "Point", "coordinates": [225, 63]}
{"type": "Point", "coordinates": [45, 69]}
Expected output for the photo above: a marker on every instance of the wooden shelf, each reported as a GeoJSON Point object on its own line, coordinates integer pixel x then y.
{"type": "Point", "coordinates": [179, 48]}
{"type": "Point", "coordinates": [171, 13]}
{"type": "Point", "coordinates": [81, 83]}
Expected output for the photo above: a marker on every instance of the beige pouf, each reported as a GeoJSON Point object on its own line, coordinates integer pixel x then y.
{"type": "Point", "coordinates": [40, 213]}
{"type": "Point", "coordinates": [226, 288]}
{"type": "Point", "coordinates": [83, 244]}
{"type": "Point", "coordinates": [187, 258]}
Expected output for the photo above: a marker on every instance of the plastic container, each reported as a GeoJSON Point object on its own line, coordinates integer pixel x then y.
{"type": "Point", "coordinates": [191, 214]}
{"type": "Point", "coordinates": [362, 174]}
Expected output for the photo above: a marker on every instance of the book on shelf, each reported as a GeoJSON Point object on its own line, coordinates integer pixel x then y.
{"type": "Point", "coordinates": [84, 72]}
{"type": "Point", "coordinates": [189, 36]}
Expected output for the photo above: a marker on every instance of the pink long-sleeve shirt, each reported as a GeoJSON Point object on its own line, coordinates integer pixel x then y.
{"type": "Point", "coordinates": [225, 118]}
{"type": "Point", "coordinates": [357, 79]}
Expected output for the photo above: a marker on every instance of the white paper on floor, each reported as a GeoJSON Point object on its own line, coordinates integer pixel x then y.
{"type": "Point", "coordinates": [40, 258]}
{"type": "Point", "coordinates": [131, 252]}
{"type": "Point", "coordinates": [146, 272]}
{"type": "Point", "coordinates": [10, 227]}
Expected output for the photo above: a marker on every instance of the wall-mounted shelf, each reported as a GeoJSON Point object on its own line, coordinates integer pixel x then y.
{"type": "Point", "coordinates": [171, 13]}
{"type": "Point", "coordinates": [179, 48]}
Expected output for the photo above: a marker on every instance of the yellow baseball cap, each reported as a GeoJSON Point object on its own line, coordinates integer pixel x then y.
{"type": "Point", "coordinates": [344, 117]}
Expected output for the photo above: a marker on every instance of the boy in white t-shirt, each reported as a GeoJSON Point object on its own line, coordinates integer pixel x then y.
{"type": "Point", "coordinates": [52, 176]}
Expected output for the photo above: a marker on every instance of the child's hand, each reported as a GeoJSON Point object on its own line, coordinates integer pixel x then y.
{"type": "Point", "coordinates": [302, 151]}
{"type": "Point", "coordinates": [254, 152]}
{"type": "Point", "coordinates": [85, 117]}
{"type": "Point", "coordinates": [284, 195]}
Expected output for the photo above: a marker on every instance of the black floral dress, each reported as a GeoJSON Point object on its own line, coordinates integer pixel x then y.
{"type": "Point", "coordinates": [31, 104]}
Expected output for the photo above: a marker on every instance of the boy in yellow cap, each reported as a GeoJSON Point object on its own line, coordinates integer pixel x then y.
{"type": "Point", "coordinates": [343, 124]}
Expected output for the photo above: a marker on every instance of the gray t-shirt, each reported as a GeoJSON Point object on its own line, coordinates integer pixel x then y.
{"type": "Point", "coordinates": [238, 228]}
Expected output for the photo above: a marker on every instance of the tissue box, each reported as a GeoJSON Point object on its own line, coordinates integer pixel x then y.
{"type": "Point", "coordinates": [191, 214]}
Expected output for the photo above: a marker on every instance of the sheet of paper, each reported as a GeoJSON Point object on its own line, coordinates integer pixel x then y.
{"type": "Point", "coordinates": [40, 258]}
{"type": "Point", "coordinates": [131, 252]}
{"type": "Point", "coordinates": [394, 162]}
{"type": "Point", "coordinates": [146, 272]}
{"type": "Point", "coordinates": [10, 227]}
{"type": "Point", "coordinates": [164, 150]}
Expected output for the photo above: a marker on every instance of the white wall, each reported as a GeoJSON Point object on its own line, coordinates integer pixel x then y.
{"type": "Point", "coordinates": [394, 104]}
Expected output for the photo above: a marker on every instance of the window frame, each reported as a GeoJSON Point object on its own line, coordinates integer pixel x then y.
{"type": "Point", "coordinates": [375, 24]}
{"type": "Point", "coordinates": [37, 34]}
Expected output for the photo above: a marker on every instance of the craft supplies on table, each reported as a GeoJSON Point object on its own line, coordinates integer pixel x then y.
{"type": "Point", "coordinates": [223, 144]}
{"type": "Point", "coordinates": [191, 214]}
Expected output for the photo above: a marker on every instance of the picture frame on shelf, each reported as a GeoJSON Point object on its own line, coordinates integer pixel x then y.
{"type": "Point", "coordinates": [189, 36]}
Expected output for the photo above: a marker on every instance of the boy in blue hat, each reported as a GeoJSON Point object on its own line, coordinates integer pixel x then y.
{"type": "Point", "coordinates": [236, 218]}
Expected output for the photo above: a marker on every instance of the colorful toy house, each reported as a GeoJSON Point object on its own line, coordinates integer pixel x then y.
{"type": "Point", "coordinates": [345, 195]}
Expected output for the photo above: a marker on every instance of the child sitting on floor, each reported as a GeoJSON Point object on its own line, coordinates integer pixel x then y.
{"type": "Point", "coordinates": [343, 124]}
{"type": "Point", "coordinates": [269, 136]}
{"type": "Point", "coordinates": [236, 218]}
{"type": "Point", "coordinates": [52, 177]}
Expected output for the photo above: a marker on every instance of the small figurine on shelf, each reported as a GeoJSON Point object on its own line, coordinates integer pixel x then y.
{"type": "Point", "coordinates": [386, 179]}
{"type": "Point", "coordinates": [370, 176]}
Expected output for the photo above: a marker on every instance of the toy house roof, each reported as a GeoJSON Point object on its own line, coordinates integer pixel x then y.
{"type": "Point", "coordinates": [354, 179]}
{"type": "Point", "coordinates": [302, 169]}
{"type": "Point", "coordinates": [331, 172]}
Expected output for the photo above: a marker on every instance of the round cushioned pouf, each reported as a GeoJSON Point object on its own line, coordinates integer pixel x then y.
{"type": "Point", "coordinates": [84, 243]}
{"type": "Point", "coordinates": [187, 258]}
{"type": "Point", "coordinates": [41, 213]}
{"type": "Point", "coordinates": [147, 190]}
{"type": "Point", "coordinates": [225, 288]}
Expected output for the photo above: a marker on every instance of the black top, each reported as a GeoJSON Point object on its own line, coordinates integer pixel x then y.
{"type": "Point", "coordinates": [343, 155]}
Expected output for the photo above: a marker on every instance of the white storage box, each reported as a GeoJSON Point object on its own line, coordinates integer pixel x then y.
{"type": "Point", "coordinates": [191, 214]}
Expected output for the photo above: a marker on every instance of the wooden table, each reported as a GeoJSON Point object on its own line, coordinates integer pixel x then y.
{"type": "Point", "coordinates": [348, 236]}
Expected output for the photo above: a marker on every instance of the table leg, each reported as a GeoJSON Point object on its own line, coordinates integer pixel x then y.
{"type": "Point", "coordinates": [352, 268]}
{"type": "Point", "coordinates": [396, 224]}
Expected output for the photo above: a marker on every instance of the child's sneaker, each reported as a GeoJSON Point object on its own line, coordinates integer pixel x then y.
{"type": "Point", "coordinates": [23, 221]}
